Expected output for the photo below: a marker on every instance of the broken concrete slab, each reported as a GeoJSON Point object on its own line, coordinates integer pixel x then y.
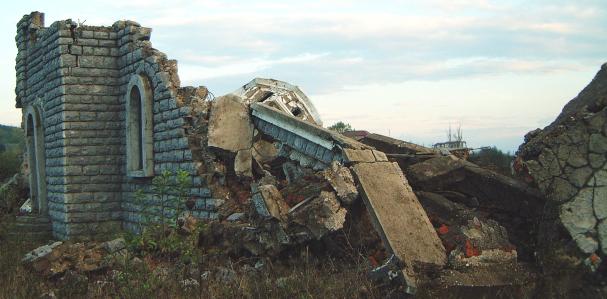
{"type": "Point", "coordinates": [342, 182]}
{"type": "Point", "coordinates": [230, 126]}
{"type": "Point", "coordinates": [358, 156]}
{"type": "Point", "coordinates": [380, 156]}
{"type": "Point", "coordinates": [436, 173]}
{"type": "Point", "coordinates": [516, 205]}
{"type": "Point", "coordinates": [398, 216]}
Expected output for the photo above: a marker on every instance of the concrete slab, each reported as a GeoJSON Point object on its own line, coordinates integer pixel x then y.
{"type": "Point", "coordinates": [230, 126]}
{"type": "Point", "coordinates": [398, 216]}
{"type": "Point", "coordinates": [355, 156]}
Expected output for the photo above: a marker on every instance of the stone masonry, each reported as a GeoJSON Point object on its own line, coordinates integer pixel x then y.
{"type": "Point", "coordinates": [72, 87]}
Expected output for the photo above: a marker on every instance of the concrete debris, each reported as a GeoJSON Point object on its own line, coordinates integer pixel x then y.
{"type": "Point", "coordinates": [320, 215]}
{"type": "Point", "coordinates": [567, 162]}
{"type": "Point", "coordinates": [236, 217]}
{"type": "Point", "coordinates": [388, 198]}
{"type": "Point", "coordinates": [40, 252]}
{"type": "Point", "coordinates": [269, 202]}
{"type": "Point", "coordinates": [513, 203]}
{"type": "Point", "coordinates": [307, 180]}
{"type": "Point", "coordinates": [230, 126]}
{"type": "Point", "coordinates": [264, 151]}
{"type": "Point", "coordinates": [267, 177]}
{"type": "Point", "coordinates": [187, 224]}
{"type": "Point", "coordinates": [114, 245]}
{"type": "Point", "coordinates": [58, 258]}
{"type": "Point", "coordinates": [342, 182]}
{"type": "Point", "coordinates": [26, 207]}
{"type": "Point", "coordinates": [243, 163]}
{"type": "Point", "coordinates": [281, 95]}
{"type": "Point", "coordinates": [354, 156]}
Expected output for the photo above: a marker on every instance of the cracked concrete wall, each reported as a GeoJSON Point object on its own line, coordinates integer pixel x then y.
{"type": "Point", "coordinates": [568, 162]}
{"type": "Point", "coordinates": [77, 76]}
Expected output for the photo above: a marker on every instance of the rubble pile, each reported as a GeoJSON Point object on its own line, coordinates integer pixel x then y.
{"type": "Point", "coordinates": [441, 177]}
{"type": "Point", "coordinates": [56, 259]}
{"type": "Point", "coordinates": [426, 219]}
{"type": "Point", "coordinates": [269, 179]}
{"type": "Point", "coordinates": [288, 181]}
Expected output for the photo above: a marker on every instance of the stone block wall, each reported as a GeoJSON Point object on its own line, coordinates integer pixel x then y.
{"type": "Point", "coordinates": [78, 76]}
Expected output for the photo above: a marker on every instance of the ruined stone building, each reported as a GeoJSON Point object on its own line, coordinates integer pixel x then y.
{"type": "Point", "coordinates": [90, 97]}
{"type": "Point", "coordinates": [104, 114]}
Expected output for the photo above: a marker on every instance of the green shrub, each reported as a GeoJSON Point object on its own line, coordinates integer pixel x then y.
{"type": "Point", "coordinates": [10, 161]}
{"type": "Point", "coordinates": [494, 159]}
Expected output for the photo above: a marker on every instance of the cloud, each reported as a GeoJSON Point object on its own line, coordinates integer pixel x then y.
{"type": "Point", "coordinates": [339, 51]}
{"type": "Point", "coordinates": [229, 66]}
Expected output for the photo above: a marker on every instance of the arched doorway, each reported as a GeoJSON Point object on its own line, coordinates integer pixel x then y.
{"type": "Point", "coordinates": [35, 152]}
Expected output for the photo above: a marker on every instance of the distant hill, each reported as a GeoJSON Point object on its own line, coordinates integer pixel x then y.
{"type": "Point", "coordinates": [12, 143]}
{"type": "Point", "coordinates": [11, 135]}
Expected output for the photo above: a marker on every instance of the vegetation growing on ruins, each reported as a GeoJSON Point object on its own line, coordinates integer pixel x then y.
{"type": "Point", "coordinates": [494, 159]}
{"type": "Point", "coordinates": [340, 127]}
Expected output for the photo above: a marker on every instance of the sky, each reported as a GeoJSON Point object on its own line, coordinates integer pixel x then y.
{"type": "Point", "coordinates": [407, 69]}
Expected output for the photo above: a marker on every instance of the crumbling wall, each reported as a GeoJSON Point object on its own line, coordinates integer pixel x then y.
{"type": "Point", "coordinates": [179, 114]}
{"type": "Point", "coordinates": [568, 162]}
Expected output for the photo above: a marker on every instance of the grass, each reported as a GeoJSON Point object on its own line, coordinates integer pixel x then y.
{"type": "Point", "coordinates": [15, 280]}
{"type": "Point", "coordinates": [208, 275]}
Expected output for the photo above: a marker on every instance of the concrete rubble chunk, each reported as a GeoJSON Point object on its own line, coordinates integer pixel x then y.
{"type": "Point", "coordinates": [436, 171]}
{"type": "Point", "coordinates": [114, 245]}
{"type": "Point", "coordinates": [468, 237]}
{"type": "Point", "coordinates": [264, 151]}
{"type": "Point", "coordinates": [397, 215]}
{"type": "Point", "coordinates": [320, 215]}
{"type": "Point", "coordinates": [269, 198]}
{"type": "Point", "coordinates": [342, 182]}
{"type": "Point", "coordinates": [243, 163]}
{"type": "Point", "coordinates": [40, 252]}
{"type": "Point", "coordinates": [26, 207]}
{"type": "Point", "coordinates": [292, 172]}
{"type": "Point", "coordinates": [230, 126]}
{"type": "Point", "coordinates": [235, 217]}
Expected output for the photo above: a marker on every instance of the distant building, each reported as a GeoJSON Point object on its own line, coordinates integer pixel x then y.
{"type": "Point", "coordinates": [451, 145]}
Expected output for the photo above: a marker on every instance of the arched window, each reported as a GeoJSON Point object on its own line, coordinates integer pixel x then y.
{"type": "Point", "coordinates": [139, 127]}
